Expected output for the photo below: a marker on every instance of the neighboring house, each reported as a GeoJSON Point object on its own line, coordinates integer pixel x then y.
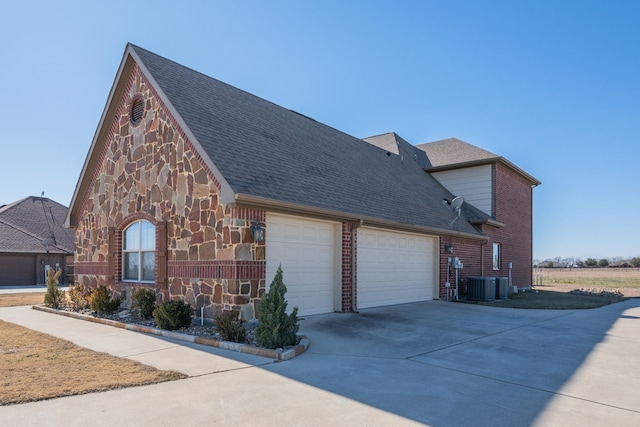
{"type": "Point", "coordinates": [200, 190]}
{"type": "Point", "coordinates": [32, 237]}
{"type": "Point", "coordinates": [552, 264]}
{"type": "Point", "coordinates": [623, 263]}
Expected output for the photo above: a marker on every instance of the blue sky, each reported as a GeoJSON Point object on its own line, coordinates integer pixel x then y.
{"type": "Point", "coordinates": [553, 86]}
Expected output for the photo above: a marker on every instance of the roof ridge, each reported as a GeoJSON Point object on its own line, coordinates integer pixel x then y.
{"type": "Point", "coordinates": [11, 205]}
{"type": "Point", "coordinates": [280, 107]}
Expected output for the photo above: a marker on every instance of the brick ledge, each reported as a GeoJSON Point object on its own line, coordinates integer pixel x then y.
{"type": "Point", "coordinates": [283, 355]}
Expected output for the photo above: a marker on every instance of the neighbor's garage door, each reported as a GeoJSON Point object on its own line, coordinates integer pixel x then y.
{"type": "Point", "coordinates": [18, 270]}
{"type": "Point", "coordinates": [306, 249]}
{"type": "Point", "coordinates": [394, 268]}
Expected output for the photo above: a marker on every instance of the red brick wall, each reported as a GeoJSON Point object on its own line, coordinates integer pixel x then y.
{"type": "Point", "coordinates": [513, 207]}
{"type": "Point", "coordinates": [512, 204]}
{"type": "Point", "coordinates": [349, 278]}
{"type": "Point", "coordinates": [469, 253]}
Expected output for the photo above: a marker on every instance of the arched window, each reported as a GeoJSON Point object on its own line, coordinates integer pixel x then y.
{"type": "Point", "coordinates": [139, 252]}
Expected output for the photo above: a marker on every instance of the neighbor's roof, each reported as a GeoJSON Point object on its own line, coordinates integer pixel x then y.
{"type": "Point", "coordinates": [453, 153]}
{"type": "Point", "coordinates": [270, 156]}
{"type": "Point", "coordinates": [27, 224]}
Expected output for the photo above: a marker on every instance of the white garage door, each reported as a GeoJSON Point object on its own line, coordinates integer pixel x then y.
{"type": "Point", "coordinates": [394, 268]}
{"type": "Point", "coordinates": [306, 249]}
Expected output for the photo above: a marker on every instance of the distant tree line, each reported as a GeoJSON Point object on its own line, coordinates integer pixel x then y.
{"type": "Point", "coordinates": [559, 262]}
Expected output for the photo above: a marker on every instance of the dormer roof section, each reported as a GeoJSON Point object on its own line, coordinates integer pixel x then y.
{"type": "Point", "coordinates": [453, 153]}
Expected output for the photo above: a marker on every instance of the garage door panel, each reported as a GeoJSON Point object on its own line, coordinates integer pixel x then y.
{"type": "Point", "coordinates": [394, 268]}
{"type": "Point", "coordinates": [17, 270]}
{"type": "Point", "coordinates": [306, 250]}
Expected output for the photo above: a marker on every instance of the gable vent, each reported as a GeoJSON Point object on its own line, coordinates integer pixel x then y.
{"type": "Point", "coordinates": [137, 111]}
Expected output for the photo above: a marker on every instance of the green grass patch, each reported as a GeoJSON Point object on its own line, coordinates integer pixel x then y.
{"type": "Point", "coordinates": [550, 300]}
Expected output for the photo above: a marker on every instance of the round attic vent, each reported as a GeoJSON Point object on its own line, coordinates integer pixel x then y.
{"type": "Point", "coordinates": [137, 111]}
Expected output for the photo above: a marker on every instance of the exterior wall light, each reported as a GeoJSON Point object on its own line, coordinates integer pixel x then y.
{"type": "Point", "coordinates": [257, 232]}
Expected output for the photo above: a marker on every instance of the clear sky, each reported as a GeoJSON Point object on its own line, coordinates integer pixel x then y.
{"type": "Point", "coordinates": [553, 86]}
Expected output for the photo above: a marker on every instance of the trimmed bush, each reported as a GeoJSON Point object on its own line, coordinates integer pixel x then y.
{"type": "Point", "coordinates": [231, 327]}
{"type": "Point", "coordinates": [54, 296]}
{"type": "Point", "coordinates": [276, 328]}
{"type": "Point", "coordinates": [172, 315]}
{"type": "Point", "coordinates": [144, 299]}
{"type": "Point", "coordinates": [80, 296]}
{"type": "Point", "coordinates": [101, 301]}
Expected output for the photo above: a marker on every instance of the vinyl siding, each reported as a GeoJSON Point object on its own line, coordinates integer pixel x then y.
{"type": "Point", "coordinates": [473, 183]}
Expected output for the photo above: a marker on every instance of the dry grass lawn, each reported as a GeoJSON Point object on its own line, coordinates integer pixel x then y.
{"type": "Point", "coordinates": [25, 298]}
{"type": "Point", "coordinates": [35, 366]}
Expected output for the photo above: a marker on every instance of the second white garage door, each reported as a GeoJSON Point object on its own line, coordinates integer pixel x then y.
{"type": "Point", "coordinates": [394, 267]}
{"type": "Point", "coordinates": [307, 251]}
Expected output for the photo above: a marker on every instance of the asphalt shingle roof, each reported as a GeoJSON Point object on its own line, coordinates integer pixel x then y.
{"type": "Point", "coordinates": [453, 151]}
{"type": "Point", "coordinates": [393, 143]}
{"type": "Point", "coordinates": [269, 151]}
{"type": "Point", "coordinates": [25, 224]}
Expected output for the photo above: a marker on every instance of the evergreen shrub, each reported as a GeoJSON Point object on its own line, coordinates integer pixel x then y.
{"type": "Point", "coordinates": [276, 328]}
{"type": "Point", "coordinates": [172, 315]}
{"type": "Point", "coordinates": [231, 327]}
{"type": "Point", "coordinates": [54, 296]}
{"type": "Point", "coordinates": [144, 299]}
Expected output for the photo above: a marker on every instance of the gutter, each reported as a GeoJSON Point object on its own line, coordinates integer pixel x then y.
{"type": "Point", "coordinates": [488, 221]}
{"type": "Point", "coordinates": [479, 162]}
{"type": "Point", "coordinates": [329, 214]}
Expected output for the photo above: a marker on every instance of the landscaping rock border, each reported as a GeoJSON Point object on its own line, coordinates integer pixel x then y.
{"type": "Point", "coordinates": [279, 354]}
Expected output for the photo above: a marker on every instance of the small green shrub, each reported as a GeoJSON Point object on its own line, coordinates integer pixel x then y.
{"type": "Point", "coordinates": [54, 296]}
{"type": "Point", "coordinates": [101, 301]}
{"type": "Point", "coordinates": [276, 328]}
{"type": "Point", "coordinates": [231, 327]}
{"type": "Point", "coordinates": [144, 299]}
{"type": "Point", "coordinates": [80, 296]}
{"type": "Point", "coordinates": [172, 315]}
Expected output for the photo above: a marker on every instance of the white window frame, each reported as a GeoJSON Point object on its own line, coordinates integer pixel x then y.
{"type": "Point", "coordinates": [140, 251]}
{"type": "Point", "coordinates": [497, 256]}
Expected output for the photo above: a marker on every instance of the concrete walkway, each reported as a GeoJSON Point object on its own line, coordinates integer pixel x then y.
{"type": "Point", "coordinates": [27, 289]}
{"type": "Point", "coordinates": [433, 363]}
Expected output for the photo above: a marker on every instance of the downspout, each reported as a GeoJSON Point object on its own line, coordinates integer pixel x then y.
{"type": "Point", "coordinates": [354, 227]}
{"type": "Point", "coordinates": [482, 257]}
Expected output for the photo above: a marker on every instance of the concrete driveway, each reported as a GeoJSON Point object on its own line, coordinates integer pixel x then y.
{"type": "Point", "coordinates": [433, 363]}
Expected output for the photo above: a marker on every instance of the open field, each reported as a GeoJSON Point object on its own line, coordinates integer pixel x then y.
{"type": "Point", "coordinates": [26, 298]}
{"type": "Point", "coordinates": [626, 280]}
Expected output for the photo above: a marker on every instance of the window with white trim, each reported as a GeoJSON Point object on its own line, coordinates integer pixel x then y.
{"type": "Point", "coordinates": [139, 252]}
{"type": "Point", "coordinates": [497, 256]}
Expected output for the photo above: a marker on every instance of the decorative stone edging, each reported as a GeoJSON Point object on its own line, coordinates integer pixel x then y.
{"type": "Point", "coordinates": [279, 355]}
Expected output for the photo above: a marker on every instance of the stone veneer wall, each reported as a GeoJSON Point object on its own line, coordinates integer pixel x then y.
{"type": "Point", "coordinates": [204, 250]}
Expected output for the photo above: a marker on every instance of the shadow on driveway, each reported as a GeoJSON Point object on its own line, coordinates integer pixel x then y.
{"type": "Point", "coordinates": [449, 364]}
{"type": "Point", "coordinates": [435, 363]}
